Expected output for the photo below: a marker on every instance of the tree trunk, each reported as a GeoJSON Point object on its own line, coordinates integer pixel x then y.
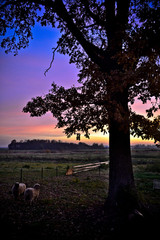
{"type": "Point", "coordinates": [122, 192]}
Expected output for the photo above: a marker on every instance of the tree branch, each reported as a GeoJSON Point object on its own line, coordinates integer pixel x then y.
{"type": "Point", "coordinates": [97, 55]}
{"type": "Point", "coordinates": [54, 51]}
{"type": "Point", "coordinates": [110, 19]}
{"type": "Point", "coordinates": [95, 17]}
{"type": "Point", "coordinates": [116, 20]}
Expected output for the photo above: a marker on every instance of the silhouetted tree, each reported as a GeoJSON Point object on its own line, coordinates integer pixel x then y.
{"type": "Point", "coordinates": [116, 46]}
{"type": "Point", "coordinates": [38, 144]}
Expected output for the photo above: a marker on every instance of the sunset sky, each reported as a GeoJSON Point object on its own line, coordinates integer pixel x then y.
{"type": "Point", "coordinates": [22, 77]}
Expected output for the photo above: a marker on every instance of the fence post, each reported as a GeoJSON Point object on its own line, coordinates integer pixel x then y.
{"type": "Point", "coordinates": [42, 173]}
{"type": "Point", "coordinates": [21, 175]}
{"type": "Point", "coordinates": [99, 170]}
{"type": "Point", "coordinates": [56, 171]}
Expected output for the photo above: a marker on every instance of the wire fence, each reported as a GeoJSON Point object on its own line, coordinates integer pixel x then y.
{"type": "Point", "coordinates": [40, 174]}
{"type": "Point", "coordinates": [25, 175]}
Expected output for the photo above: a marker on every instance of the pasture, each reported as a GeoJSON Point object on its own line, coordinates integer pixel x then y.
{"type": "Point", "coordinates": [71, 207]}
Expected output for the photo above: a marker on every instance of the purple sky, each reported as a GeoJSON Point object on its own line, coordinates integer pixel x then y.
{"type": "Point", "coordinates": [22, 77]}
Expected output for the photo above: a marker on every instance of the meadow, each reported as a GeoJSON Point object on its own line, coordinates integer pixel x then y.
{"type": "Point", "coordinates": [71, 207]}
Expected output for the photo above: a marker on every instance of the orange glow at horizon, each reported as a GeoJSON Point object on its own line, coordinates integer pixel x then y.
{"type": "Point", "coordinates": [51, 133]}
{"type": "Point", "coordinates": [20, 126]}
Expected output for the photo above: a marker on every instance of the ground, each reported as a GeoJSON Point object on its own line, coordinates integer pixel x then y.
{"type": "Point", "coordinates": [72, 207]}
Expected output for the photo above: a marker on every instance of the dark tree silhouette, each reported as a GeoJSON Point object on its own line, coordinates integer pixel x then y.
{"type": "Point", "coordinates": [116, 46]}
{"type": "Point", "coordinates": [40, 144]}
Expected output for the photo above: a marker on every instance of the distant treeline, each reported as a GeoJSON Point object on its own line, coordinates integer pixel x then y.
{"type": "Point", "coordinates": [37, 144]}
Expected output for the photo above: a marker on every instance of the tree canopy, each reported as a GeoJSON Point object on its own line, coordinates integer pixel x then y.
{"type": "Point", "coordinates": [114, 45]}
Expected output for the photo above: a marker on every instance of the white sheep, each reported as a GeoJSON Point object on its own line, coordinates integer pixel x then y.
{"type": "Point", "coordinates": [31, 194]}
{"type": "Point", "coordinates": [18, 189]}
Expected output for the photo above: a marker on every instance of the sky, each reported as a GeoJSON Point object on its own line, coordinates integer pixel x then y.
{"type": "Point", "coordinates": [22, 77]}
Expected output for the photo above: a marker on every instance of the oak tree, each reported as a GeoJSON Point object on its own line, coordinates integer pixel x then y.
{"type": "Point", "coordinates": [115, 45]}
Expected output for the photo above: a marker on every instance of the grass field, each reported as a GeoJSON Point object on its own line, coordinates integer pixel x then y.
{"type": "Point", "coordinates": [70, 207]}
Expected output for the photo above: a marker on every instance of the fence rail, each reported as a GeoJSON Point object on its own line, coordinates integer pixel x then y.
{"type": "Point", "coordinates": [85, 167]}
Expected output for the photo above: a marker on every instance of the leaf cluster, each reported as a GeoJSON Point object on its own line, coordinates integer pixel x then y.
{"type": "Point", "coordinates": [17, 20]}
{"type": "Point", "coordinates": [145, 128]}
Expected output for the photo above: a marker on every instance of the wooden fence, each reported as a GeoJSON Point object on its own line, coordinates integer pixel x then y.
{"type": "Point", "coordinates": [85, 168]}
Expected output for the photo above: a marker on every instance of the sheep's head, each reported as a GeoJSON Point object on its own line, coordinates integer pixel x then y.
{"type": "Point", "coordinates": [37, 186]}
{"type": "Point", "coordinates": [16, 184]}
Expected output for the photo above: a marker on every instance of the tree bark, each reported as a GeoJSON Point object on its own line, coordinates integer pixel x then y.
{"type": "Point", "coordinates": [122, 192]}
